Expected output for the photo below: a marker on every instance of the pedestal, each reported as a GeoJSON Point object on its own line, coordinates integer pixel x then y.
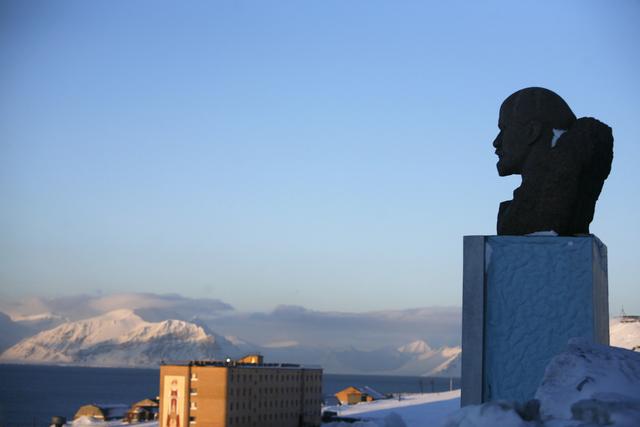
{"type": "Point", "coordinates": [523, 298]}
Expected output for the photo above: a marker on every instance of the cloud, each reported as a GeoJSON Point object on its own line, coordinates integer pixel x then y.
{"type": "Point", "coordinates": [152, 307]}
{"type": "Point", "coordinates": [436, 325]}
{"type": "Point", "coordinates": [281, 344]}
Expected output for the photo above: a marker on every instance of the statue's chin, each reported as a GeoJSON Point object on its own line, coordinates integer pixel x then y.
{"type": "Point", "coordinates": [502, 171]}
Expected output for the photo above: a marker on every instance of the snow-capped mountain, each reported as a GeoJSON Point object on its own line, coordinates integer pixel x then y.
{"type": "Point", "coordinates": [451, 367]}
{"type": "Point", "coordinates": [121, 338]}
{"type": "Point", "coordinates": [416, 347]}
{"type": "Point", "coordinates": [428, 362]}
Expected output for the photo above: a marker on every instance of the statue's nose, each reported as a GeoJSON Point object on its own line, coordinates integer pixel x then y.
{"type": "Point", "coordinates": [498, 141]}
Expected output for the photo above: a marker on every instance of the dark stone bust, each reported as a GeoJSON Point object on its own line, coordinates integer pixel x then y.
{"type": "Point", "coordinates": [563, 162]}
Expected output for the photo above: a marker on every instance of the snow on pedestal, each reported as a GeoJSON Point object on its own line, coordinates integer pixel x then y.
{"type": "Point", "coordinates": [587, 385]}
{"type": "Point", "coordinates": [603, 379]}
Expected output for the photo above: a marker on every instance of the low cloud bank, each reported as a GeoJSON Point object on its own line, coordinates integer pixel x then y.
{"type": "Point", "coordinates": [293, 325]}
{"type": "Point", "coordinates": [370, 330]}
{"type": "Point", "coordinates": [152, 306]}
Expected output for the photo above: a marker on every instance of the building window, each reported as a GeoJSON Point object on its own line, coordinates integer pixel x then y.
{"type": "Point", "coordinates": [194, 405]}
{"type": "Point", "coordinates": [194, 376]}
{"type": "Point", "coordinates": [193, 391]}
{"type": "Point", "coordinates": [192, 420]}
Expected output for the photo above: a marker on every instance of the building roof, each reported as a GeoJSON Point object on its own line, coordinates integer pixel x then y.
{"type": "Point", "coordinates": [235, 364]}
{"type": "Point", "coordinates": [626, 318]}
{"type": "Point", "coordinates": [371, 392]}
{"type": "Point", "coordinates": [107, 410]}
{"type": "Point", "coordinates": [146, 402]}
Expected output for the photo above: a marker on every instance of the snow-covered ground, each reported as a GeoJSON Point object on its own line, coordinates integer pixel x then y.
{"type": "Point", "coordinates": [413, 410]}
{"type": "Point", "coordinates": [625, 334]}
{"type": "Point", "coordinates": [90, 421]}
{"type": "Point", "coordinates": [587, 385]}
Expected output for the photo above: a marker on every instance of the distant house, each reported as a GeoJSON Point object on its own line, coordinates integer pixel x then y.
{"type": "Point", "coordinates": [102, 412]}
{"type": "Point", "coordinates": [352, 395]}
{"type": "Point", "coordinates": [629, 319]}
{"type": "Point", "coordinates": [144, 410]}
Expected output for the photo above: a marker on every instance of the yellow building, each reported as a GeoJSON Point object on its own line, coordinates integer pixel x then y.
{"type": "Point", "coordinates": [244, 393]}
{"type": "Point", "coordinates": [352, 395]}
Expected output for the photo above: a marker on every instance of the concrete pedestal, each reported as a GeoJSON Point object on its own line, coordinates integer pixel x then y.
{"type": "Point", "coordinates": [523, 298]}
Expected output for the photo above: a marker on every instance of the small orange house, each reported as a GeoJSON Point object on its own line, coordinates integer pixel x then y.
{"type": "Point", "coordinates": [352, 395]}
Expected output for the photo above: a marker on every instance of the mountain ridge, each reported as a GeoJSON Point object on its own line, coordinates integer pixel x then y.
{"type": "Point", "coordinates": [123, 338]}
{"type": "Point", "coordinates": [119, 338]}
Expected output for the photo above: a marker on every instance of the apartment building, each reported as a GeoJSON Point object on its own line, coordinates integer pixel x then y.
{"type": "Point", "coordinates": [242, 393]}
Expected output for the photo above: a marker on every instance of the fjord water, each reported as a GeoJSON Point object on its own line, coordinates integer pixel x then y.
{"type": "Point", "coordinates": [31, 394]}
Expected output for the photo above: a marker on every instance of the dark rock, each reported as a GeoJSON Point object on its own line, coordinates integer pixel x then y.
{"type": "Point", "coordinates": [530, 410]}
{"type": "Point", "coordinates": [563, 162]}
{"type": "Point", "coordinates": [582, 383]}
{"type": "Point", "coordinates": [58, 421]}
{"type": "Point", "coordinates": [618, 410]}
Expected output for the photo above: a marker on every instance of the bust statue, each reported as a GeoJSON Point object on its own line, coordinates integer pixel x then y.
{"type": "Point", "coordinates": [563, 162]}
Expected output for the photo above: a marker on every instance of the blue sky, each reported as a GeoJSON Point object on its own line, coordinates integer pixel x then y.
{"type": "Point", "coordinates": [325, 154]}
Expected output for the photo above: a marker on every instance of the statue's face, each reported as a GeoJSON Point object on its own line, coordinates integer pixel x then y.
{"type": "Point", "coordinates": [512, 146]}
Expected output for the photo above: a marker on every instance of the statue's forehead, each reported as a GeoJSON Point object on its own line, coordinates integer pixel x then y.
{"type": "Point", "coordinates": [518, 107]}
{"type": "Point", "coordinates": [506, 112]}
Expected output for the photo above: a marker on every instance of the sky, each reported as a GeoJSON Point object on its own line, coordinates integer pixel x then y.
{"type": "Point", "coordinates": [329, 155]}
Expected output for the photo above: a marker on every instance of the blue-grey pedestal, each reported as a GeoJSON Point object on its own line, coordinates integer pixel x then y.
{"type": "Point", "coordinates": [523, 298]}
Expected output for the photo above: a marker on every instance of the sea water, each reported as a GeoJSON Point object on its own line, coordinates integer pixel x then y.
{"type": "Point", "coordinates": [30, 395]}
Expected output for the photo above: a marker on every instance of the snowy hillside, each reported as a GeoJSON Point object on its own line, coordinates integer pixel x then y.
{"type": "Point", "coordinates": [452, 367]}
{"type": "Point", "coordinates": [120, 338]}
{"type": "Point", "coordinates": [428, 362]}
{"type": "Point", "coordinates": [625, 334]}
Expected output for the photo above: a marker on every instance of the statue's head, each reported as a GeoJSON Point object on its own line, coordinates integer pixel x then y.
{"type": "Point", "coordinates": [527, 117]}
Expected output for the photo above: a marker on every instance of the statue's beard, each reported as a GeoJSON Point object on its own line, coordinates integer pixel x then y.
{"type": "Point", "coordinates": [503, 167]}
